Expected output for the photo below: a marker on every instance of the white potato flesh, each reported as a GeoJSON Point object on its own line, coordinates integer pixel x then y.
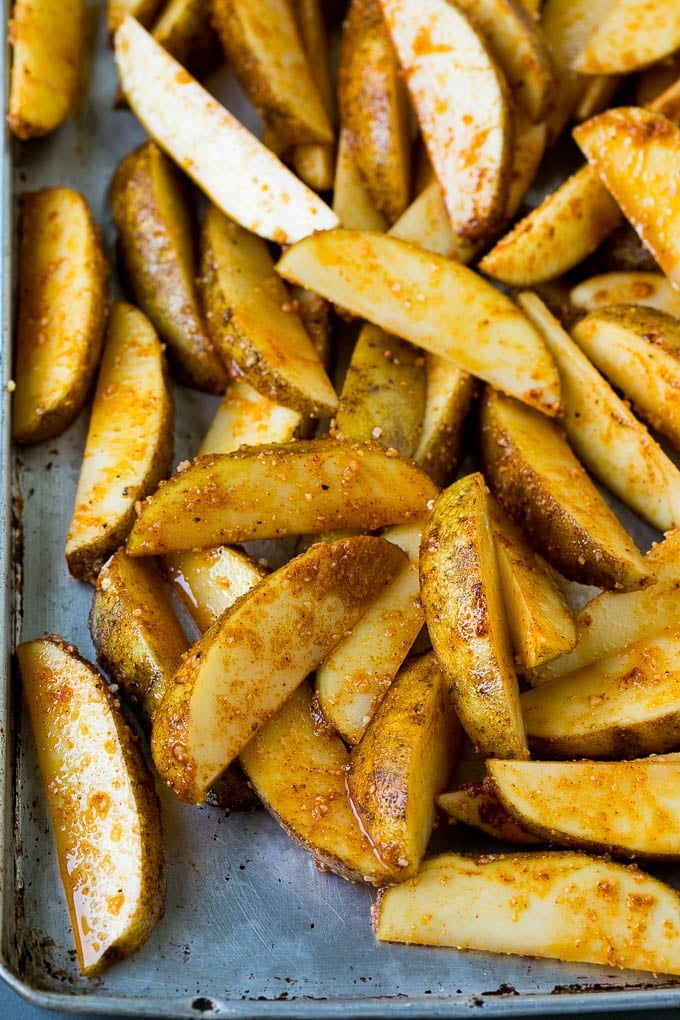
{"type": "Point", "coordinates": [351, 202]}
{"type": "Point", "coordinates": [246, 418]}
{"type": "Point", "coordinates": [209, 581]}
{"type": "Point", "coordinates": [633, 288]}
{"type": "Point", "coordinates": [407, 537]}
{"type": "Point", "coordinates": [434, 302]}
{"type": "Point", "coordinates": [530, 143]}
{"type": "Point", "coordinates": [239, 174]}
{"type": "Point", "coordinates": [561, 905]}
{"type": "Point", "coordinates": [460, 101]}
{"type": "Point", "coordinates": [634, 34]}
{"type": "Point", "coordinates": [478, 805]}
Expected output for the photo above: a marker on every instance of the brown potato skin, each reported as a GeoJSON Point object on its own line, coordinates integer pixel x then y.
{"type": "Point", "coordinates": [150, 208]}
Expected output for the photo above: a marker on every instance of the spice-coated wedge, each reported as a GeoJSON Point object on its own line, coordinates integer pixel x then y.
{"type": "Point", "coordinates": [247, 665]}
{"type": "Point", "coordinates": [633, 34]}
{"type": "Point", "coordinates": [184, 28]}
{"type": "Point", "coordinates": [628, 808]}
{"type": "Point", "coordinates": [314, 162]}
{"type": "Point", "coordinates": [461, 102]}
{"type": "Point", "coordinates": [638, 349]}
{"type": "Point", "coordinates": [48, 46]}
{"type": "Point", "coordinates": [352, 202]}
{"type": "Point", "coordinates": [448, 398]}
{"type": "Point", "coordinates": [63, 305]}
{"type": "Point", "coordinates": [129, 441]}
{"type": "Point", "coordinates": [609, 440]}
{"type": "Point", "coordinates": [150, 205]}
{"type": "Point", "coordinates": [246, 418]}
{"type": "Point", "coordinates": [635, 152]}
{"type": "Point", "coordinates": [624, 706]}
{"type": "Point", "coordinates": [535, 476]}
{"type": "Point", "coordinates": [101, 797]}
{"type": "Point", "coordinates": [478, 806]}
{"type": "Point", "coordinates": [403, 760]}
{"type": "Point", "coordinates": [265, 337]}
{"type": "Point", "coordinates": [562, 905]}
{"type": "Point", "coordinates": [465, 616]}
{"type": "Point", "coordinates": [298, 771]}
{"type": "Point", "coordinates": [228, 163]}
{"type": "Point", "coordinates": [434, 302]}
{"type": "Point", "coordinates": [209, 581]}
{"type": "Point", "coordinates": [143, 10]}
{"type": "Point", "coordinates": [310, 486]}
{"type": "Point", "coordinates": [627, 288]}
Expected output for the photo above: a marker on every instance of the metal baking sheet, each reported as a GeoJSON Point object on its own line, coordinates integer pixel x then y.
{"type": "Point", "coordinates": [252, 928]}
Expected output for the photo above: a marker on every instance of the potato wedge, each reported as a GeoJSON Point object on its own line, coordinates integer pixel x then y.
{"type": "Point", "coordinates": [298, 770]}
{"type": "Point", "coordinates": [374, 108]}
{"type": "Point", "coordinates": [246, 418]}
{"type": "Point", "coordinates": [129, 441]}
{"type": "Point", "coordinates": [611, 443]}
{"type": "Point", "coordinates": [184, 28]}
{"type": "Point", "coordinates": [534, 474]}
{"type": "Point", "coordinates": [403, 760]}
{"type": "Point", "coordinates": [632, 35]}
{"type": "Point", "coordinates": [266, 338]}
{"type": "Point", "coordinates": [48, 41]}
{"type": "Point", "coordinates": [209, 581]}
{"type": "Point", "coordinates": [102, 801]}
{"type": "Point", "coordinates": [448, 398]}
{"type": "Point", "coordinates": [447, 67]}
{"type": "Point", "coordinates": [540, 622]}
{"type": "Point", "coordinates": [351, 201]}
{"type": "Point", "coordinates": [530, 143]}
{"type": "Point", "coordinates": [63, 304]}
{"type": "Point", "coordinates": [478, 806]}
{"type": "Point", "coordinates": [314, 162]}
{"type": "Point", "coordinates": [466, 619]}
{"type": "Point", "coordinates": [638, 349]}
{"type": "Point", "coordinates": [631, 288]}
{"type": "Point", "coordinates": [626, 705]}
{"type": "Point", "coordinates": [564, 905]}
{"type": "Point", "coordinates": [425, 223]}
{"type": "Point", "coordinates": [239, 174]}
{"type": "Point", "coordinates": [635, 152]}
{"type": "Point", "coordinates": [630, 809]}
{"type": "Point", "coordinates": [434, 302]}
{"type": "Point", "coordinates": [247, 665]}
{"type": "Point", "coordinates": [598, 95]}
{"type": "Point", "coordinates": [255, 493]}
{"type": "Point", "coordinates": [352, 681]}
{"type": "Point", "coordinates": [151, 209]}
{"type": "Point", "coordinates": [144, 11]}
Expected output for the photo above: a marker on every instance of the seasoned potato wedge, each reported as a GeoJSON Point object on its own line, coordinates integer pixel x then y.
{"type": "Point", "coordinates": [265, 338]}
{"type": "Point", "coordinates": [564, 905]}
{"type": "Point", "coordinates": [434, 302]}
{"type": "Point", "coordinates": [465, 616]}
{"type": "Point", "coordinates": [236, 171]}
{"type": "Point", "coordinates": [48, 42]}
{"type": "Point", "coordinates": [246, 418]}
{"type": "Point", "coordinates": [209, 581]}
{"type": "Point", "coordinates": [144, 11]}
{"type": "Point", "coordinates": [102, 801]}
{"type": "Point", "coordinates": [403, 760]}
{"type": "Point", "coordinates": [184, 28]}
{"type": "Point", "coordinates": [425, 223]}
{"type": "Point", "coordinates": [250, 661]}
{"type": "Point", "coordinates": [633, 34]}
{"type": "Point", "coordinates": [624, 706]}
{"type": "Point", "coordinates": [63, 304]}
{"type": "Point", "coordinates": [351, 201]}
{"type": "Point", "coordinates": [150, 208]}
{"type": "Point", "coordinates": [255, 493]}
{"type": "Point", "coordinates": [129, 441]}
{"type": "Point", "coordinates": [625, 808]}
{"type": "Point", "coordinates": [298, 770]}
{"type": "Point", "coordinates": [447, 68]}
{"type": "Point", "coordinates": [630, 288]}
{"type": "Point", "coordinates": [448, 399]}
{"type": "Point", "coordinates": [635, 152]}
{"type": "Point", "coordinates": [478, 805]}
{"type": "Point", "coordinates": [598, 95]}
{"type": "Point", "coordinates": [535, 476]}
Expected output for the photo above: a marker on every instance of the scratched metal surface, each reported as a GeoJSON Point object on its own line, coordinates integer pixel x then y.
{"type": "Point", "coordinates": [251, 929]}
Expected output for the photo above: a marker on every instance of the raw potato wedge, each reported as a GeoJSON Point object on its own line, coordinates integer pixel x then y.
{"type": "Point", "coordinates": [563, 905]}
{"type": "Point", "coordinates": [150, 205]}
{"type": "Point", "coordinates": [448, 399]}
{"type": "Point", "coordinates": [540, 622]}
{"type": "Point", "coordinates": [298, 770]}
{"type": "Point", "coordinates": [246, 418]}
{"type": "Point", "coordinates": [403, 761]}
{"type": "Point", "coordinates": [63, 304]}
{"type": "Point", "coordinates": [374, 108]}
{"type": "Point", "coordinates": [209, 581]}
{"type": "Point", "coordinates": [609, 440]}
{"type": "Point", "coordinates": [352, 680]}
{"type": "Point", "coordinates": [434, 302]}
{"type": "Point", "coordinates": [478, 806]}
{"type": "Point", "coordinates": [624, 706]}
{"type": "Point", "coordinates": [102, 801]}
{"type": "Point", "coordinates": [638, 349]}
{"type": "Point", "coordinates": [535, 476]}
{"type": "Point", "coordinates": [624, 808]}
{"type": "Point", "coordinates": [629, 288]}
{"type": "Point", "coordinates": [635, 152]}
{"type": "Point", "coordinates": [465, 616]}
{"type": "Point", "coordinates": [255, 493]}
{"type": "Point", "coordinates": [144, 11]}
{"type": "Point", "coordinates": [598, 96]}
{"type": "Point", "coordinates": [129, 441]}
{"type": "Point", "coordinates": [383, 395]}
{"type": "Point", "coordinates": [351, 201]}
{"type": "Point", "coordinates": [263, 47]}
{"type": "Point", "coordinates": [247, 665]}
{"type": "Point", "coordinates": [47, 41]}
{"type": "Point", "coordinates": [265, 338]}
{"type": "Point", "coordinates": [633, 34]}
{"type": "Point", "coordinates": [314, 162]}
{"type": "Point", "coordinates": [236, 171]}
{"type": "Point", "coordinates": [447, 68]}
{"type": "Point", "coordinates": [185, 30]}
{"type": "Point", "coordinates": [137, 637]}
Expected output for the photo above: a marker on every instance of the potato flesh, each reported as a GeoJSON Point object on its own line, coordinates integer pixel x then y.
{"type": "Point", "coordinates": [478, 805]}
{"type": "Point", "coordinates": [448, 399]}
{"type": "Point", "coordinates": [144, 11]}
{"type": "Point", "coordinates": [246, 418]}
{"type": "Point", "coordinates": [560, 905]}
{"type": "Point", "coordinates": [352, 203]}
{"type": "Point", "coordinates": [209, 581]}
{"type": "Point", "coordinates": [634, 34]}
{"type": "Point", "coordinates": [185, 30]}
{"type": "Point", "coordinates": [633, 288]}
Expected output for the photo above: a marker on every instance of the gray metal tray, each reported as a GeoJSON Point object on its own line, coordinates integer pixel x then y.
{"type": "Point", "coordinates": [252, 928]}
